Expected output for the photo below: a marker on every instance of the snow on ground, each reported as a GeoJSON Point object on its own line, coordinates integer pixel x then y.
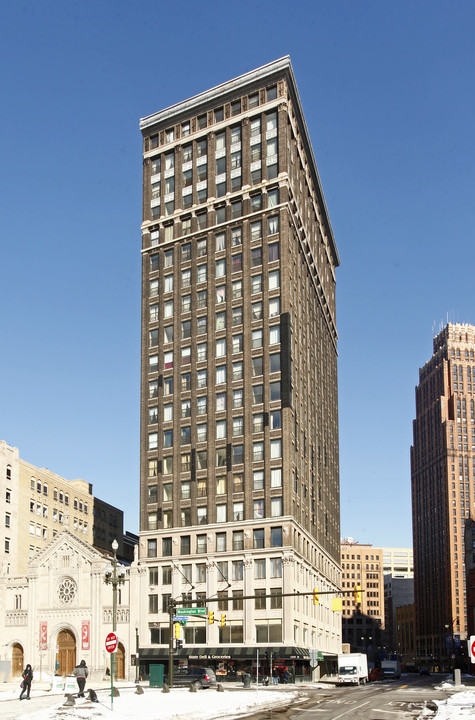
{"type": "Point", "coordinates": [459, 705]}
{"type": "Point", "coordinates": [179, 704]}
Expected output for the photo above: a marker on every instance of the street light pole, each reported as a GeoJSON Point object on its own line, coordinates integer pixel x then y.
{"type": "Point", "coordinates": [136, 652]}
{"type": "Point", "coordinates": [114, 578]}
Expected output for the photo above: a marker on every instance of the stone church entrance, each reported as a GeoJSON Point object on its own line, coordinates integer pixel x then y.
{"type": "Point", "coordinates": [66, 652]}
{"type": "Point", "coordinates": [120, 660]}
{"type": "Point", "coordinates": [17, 660]}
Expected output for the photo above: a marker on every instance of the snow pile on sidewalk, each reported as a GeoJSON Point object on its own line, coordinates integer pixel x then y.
{"type": "Point", "coordinates": [460, 705]}
{"type": "Point", "coordinates": [179, 704]}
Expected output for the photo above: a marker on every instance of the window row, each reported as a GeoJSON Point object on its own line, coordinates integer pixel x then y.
{"type": "Point", "coordinates": [220, 272]}
{"type": "Point", "coordinates": [231, 236]}
{"type": "Point", "coordinates": [221, 349]}
{"type": "Point", "coordinates": [263, 568]}
{"type": "Point", "coordinates": [217, 115]}
{"type": "Point", "coordinates": [202, 544]}
{"type": "Point", "coordinates": [273, 283]}
{"type": "Point", "coordinates": [199, 379]}
{"type": "Point", "coordinates": [184, 488]}
{"type": "Point", "coordinates": [237, 451]}
{"type": "Point", "coordinates": [188, 518]}
{"type": "Point", "coordinates": [220, 318]}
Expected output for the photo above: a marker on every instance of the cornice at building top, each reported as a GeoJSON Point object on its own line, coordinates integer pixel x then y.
{"type": "Point", "coordinates": [273, 71]}
{"type": "Point", "coordinates": [276, 67]}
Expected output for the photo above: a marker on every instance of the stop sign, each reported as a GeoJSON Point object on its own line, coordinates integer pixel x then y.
{"type": "Point", "coordinates": [111, 642]}
{"type": "Point", "coordinates": [471, 648]}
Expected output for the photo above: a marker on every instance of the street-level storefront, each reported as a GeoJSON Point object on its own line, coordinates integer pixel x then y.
{"type": "Point", "coordinates": [231, 663]}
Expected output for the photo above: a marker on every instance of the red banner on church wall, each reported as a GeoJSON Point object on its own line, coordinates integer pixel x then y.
{"type": "Point", "coordinates": [43, 644]}
{"type": "Point", "coordinates": [85, 639]}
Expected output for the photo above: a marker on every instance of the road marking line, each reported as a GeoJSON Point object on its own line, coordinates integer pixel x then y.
{"type": "Point", "coordinates": [352, 709]}
{"type": "Point", "coordinates": [393, 712]}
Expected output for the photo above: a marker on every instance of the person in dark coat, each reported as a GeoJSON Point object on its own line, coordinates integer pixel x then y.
{"type": "Point", "coordinates": [27, 676]}
{"type": "Point", "coordinates": [286, 675]}
{"type": "Point", "coordinates": [81, 672]}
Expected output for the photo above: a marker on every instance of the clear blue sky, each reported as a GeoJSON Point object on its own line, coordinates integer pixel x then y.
{"type": "Point", "coordinates": [388, 93]}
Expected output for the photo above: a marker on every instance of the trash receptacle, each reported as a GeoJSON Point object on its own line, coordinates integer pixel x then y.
{"type": "Point", "coordinates": [246, 680]}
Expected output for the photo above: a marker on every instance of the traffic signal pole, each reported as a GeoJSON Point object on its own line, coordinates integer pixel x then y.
{"type": "Point", "coordinates": [172, 605]}
{"type": "Point", "coordinates": [171, 613]}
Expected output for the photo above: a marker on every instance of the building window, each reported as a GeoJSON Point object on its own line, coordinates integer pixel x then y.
{"type": "Point", "coordinates": [238, 426]}
{"type": "Point", "coordinates": [260, 599]}
{"type": "Point", "coordinates": [259, 569]}
{"type": "Point", "coordinates": [238, 483]}
{"type": "Point", "coordinates": [258, 451]}
{"type": "Point", "coordinates": [152, 548]}
{"type": "Point", "coordinates": [202, 515]}
{"type": "Point", "coordinates": [238, 540]}
{"type": "Point", "coordinates": [259, 508]}
{"type": "Point", "coordinates": [276, 567]}
{"type": "Point", "coordinates": [238, 570]}
{"type": "Point", "coordinates": [276, 507]}
{"type": "Point", "coordinates": [258, 538]}
{"type": "Point", "coordinates": [272, 228]}
{"type": "Point", "coordinates": [274, 279]}
{"type": "Point", "coordinates": [238, 511]}
{"type": "Point", "coordinates": [274, 334]}
{"type": "Point", "coordinates": [221, 513]}
{"type": "Point", "coordinates": [256, 284]}
{"type": "Point", "coordinates": [276, 477]}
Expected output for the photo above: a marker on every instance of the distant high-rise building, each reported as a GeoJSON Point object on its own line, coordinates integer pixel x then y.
{"type": "Point", "coordinates": [398, 562]}
{"type": "Point", "coordinates": [239, 438]}
{"type": "Point", "coordinates": [363, 621]}
{"type": "Point", "coordinates": [443, 476]}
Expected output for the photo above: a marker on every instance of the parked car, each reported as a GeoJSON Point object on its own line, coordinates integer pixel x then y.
{"type": "Point", "coordinates": [424, 671]}
{"type": "Point", "coordinates": [198, 676]}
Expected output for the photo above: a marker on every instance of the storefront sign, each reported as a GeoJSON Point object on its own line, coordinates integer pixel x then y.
{"type": "Point", "coordinates": [209, 657]}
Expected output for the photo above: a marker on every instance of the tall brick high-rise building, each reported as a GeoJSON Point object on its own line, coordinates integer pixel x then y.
{"type": "Point", "coordinates": [239, 415]}
{"type": "Point", "coordinates": [443, 478]}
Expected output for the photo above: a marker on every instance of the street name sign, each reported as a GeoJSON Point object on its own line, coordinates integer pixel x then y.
{"type": "Point", "coordinates": [192, 611]}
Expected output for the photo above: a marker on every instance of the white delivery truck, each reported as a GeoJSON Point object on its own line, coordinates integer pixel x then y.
{"type": "Point", "coordinates": [391, 669]}
{"type": "Point", "coordinates": [352, 668]}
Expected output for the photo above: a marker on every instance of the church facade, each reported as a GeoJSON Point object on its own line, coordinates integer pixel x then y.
{"type": "Point", "coordinates": [60, 612]}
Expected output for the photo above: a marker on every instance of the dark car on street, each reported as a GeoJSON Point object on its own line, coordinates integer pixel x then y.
{"type": "Point", "coordinates": [198, 676]}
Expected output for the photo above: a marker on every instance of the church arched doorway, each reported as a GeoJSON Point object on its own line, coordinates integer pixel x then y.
{"type": "Point", "coordinates": [66, 652]}
{"type": "Point", "coordinates": [120, 660]}
{"type": "Point", "coordinates": [17, 660]}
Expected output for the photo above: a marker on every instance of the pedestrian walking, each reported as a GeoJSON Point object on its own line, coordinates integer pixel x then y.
{"type": "Point", "coordinates": [275, 676]}
{"type": "Point", "coordinates": [286, 675]}
{"type": "Point", "coordinates": [81, 672]}
{"type": "Point", "coordinates": [27, 676]}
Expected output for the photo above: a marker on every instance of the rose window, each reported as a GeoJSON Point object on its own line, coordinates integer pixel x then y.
{"type": "Point", "coordinates": [67, 590]}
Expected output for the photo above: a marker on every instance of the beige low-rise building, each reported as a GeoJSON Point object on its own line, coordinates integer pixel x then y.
{"type": "Point", "coordinates": [37, 504]}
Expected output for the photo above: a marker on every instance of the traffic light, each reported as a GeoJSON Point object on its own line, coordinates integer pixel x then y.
{"type": "Point", "coordinates": [178, 644]}
{"type": "Point", "coordinates": [177, 630]}
{"type": "Point", "coordinates": [211, 617]}
{"type": "Point", "coordinates": [315, 596]}
{"type": "Point", "coordinates": [357, 594]}
{"type": "Point", "coordinates": [223, 619]}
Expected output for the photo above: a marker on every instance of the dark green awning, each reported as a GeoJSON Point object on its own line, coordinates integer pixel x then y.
{"type": "Point", "coordinates": [224, 652]}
